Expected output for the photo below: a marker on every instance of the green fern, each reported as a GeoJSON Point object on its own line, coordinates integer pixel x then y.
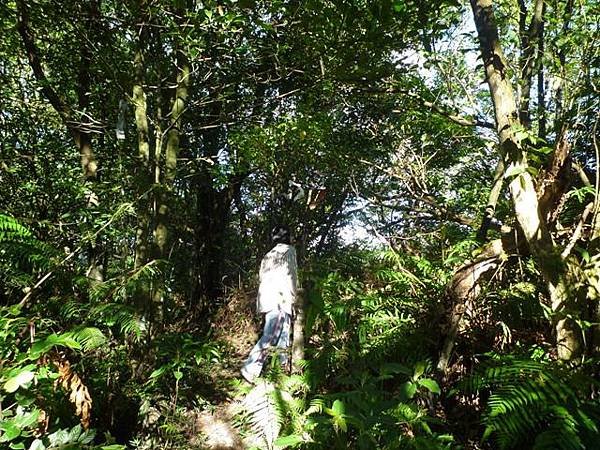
{"type": "Point", "coordinates": [122, 316]}
{"type": "Point", "coordinates": [536, 404]}
{"type": "Point", "coordinates": [72, 310]}
{"type": "Point", "coordinates": [20, 251]}
{"type": "Point", "coordinates": [90, 338]}
{"type": "Point", "coordinates": [10, 229]}
{"type": "Point", "coordinates": [263, 405]}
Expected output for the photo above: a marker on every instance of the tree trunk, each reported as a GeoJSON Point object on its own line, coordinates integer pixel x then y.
{"type": "Point", "coordinates": [161, 232]}
{"type": "Point", "coordinates": [77, 121]}
{"type": "Point", "coordinates": [298, 331]}
{"type": "Point", "coordinates": [465, 287]}
{"type": "Point", "coordinates": [144, 174]}
{"type": "Point", "coordinates": [213, 211]}
{"type": "Point", "coordinates": [558, 275]}
{"type": "Point", "coordinates": [530, 56]}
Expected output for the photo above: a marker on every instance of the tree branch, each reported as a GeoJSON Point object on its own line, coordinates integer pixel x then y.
{"type": "Point", "coordinates": [442, 111]}
{"type": "Point", "coordinates": [460, 120]}
{"type": "Point", "coordinates": [530, 57]}
{"type": "Point", "coordinates": [34, 61]}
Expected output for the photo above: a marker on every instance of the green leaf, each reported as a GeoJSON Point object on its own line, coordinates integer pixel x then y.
{"type": "Point", "coordinates": [37, 444]}
{"type": "Point", "coordinates": [17, 446]}
{"type": "Point", "coordinates": [28, 419]}
{"type": "Point", "coordinates": [419, 370]}
{"type": "Point", "coordinates": [430, 384]}
{"type": "Point", "coordinates": [25, 398]}
{"type": "Point", "coordinates": [338, 407]}
{"type": "Point", "coordinates": [74, 433]}
{"type": "Point", "coordinates": [289, 441]}
{"type": "Point", "coordinates": [521, 135]}
{"type": "Point", "coordinates": [157, 373]}
{"type": "Point", "coordinates": [408, 390]}
{"type": "Point", "coordinates": [514, 171]}
{"type": "Point", "coordinates": [399, 7]}
{"type": "Point", "coordinates": [18, 380]}
{"type": "Point", "coordinates": [39, 348]}
{"type": "Point", "coordinates": [10, 431]}
{"type": "Point", "coordinates": [339, 422]}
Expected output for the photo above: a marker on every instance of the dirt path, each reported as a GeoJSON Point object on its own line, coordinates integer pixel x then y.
{"type": "Point", "coordinates": [217, 427]}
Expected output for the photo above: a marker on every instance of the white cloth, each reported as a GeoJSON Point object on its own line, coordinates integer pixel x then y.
{"type": "Point", "coordinates": [275, 334]}
{"type": "Point", "coordinates": [278, 277]}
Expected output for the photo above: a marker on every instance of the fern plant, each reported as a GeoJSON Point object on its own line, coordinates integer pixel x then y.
{"type": "Point", "coordinates": [274, 407]}
{"type": "Point", "coordinates": [19, 245]}
{"type": "Point", "coordinates": [22, 256]}
{"type": "Point", "coordinates": [368, 372]}
{"type": "Point", "coordinates": [536, 405]}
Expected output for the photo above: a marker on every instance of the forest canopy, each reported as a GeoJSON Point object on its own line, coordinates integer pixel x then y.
{"type": "Point", "coordinates": [437, 166]}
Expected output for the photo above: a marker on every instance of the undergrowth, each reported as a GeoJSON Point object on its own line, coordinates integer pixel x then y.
{"type": "Point", "coordinates": [82, 368]}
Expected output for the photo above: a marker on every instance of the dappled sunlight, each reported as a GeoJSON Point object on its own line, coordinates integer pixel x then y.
{"type": "Point", "coordinates": [311, 225]}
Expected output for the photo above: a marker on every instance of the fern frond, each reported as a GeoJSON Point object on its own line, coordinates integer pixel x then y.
{"type": "Point", "coordinates": [264, 409]}
{"type": "Point", "coordinates": [295, 383]}
{"type": "Point", "coordinates": [11, 324]}
{"type": "Point", "coordinates": [20, 248]}
{"type": "Point", "coordinates": [90, 338]}
{"type": "Point", "coordinates": [72, 309]}
{"type": "Point", "coordinates": [122, 316]}
{"type": "Point", "coordinates": [531, 401]}
{"type": "Point", "coordinates": [562, 432]}
{"type": "Point", "coordinates": [316, 406]}
{"type": "Point", "coordinates": [11, 229]}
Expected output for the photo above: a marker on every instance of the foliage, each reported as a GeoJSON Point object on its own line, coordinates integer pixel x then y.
{"type": "Point", "coordinates": [535, 404]}
{"type": "Point", "coordinates": [362, 387]}
{"type": "Point", "coordinates": [21, 254]}
{"type": "Point", "coordinates": [147, 149]}
{"type": "Point", "coordinates": [29, 378]}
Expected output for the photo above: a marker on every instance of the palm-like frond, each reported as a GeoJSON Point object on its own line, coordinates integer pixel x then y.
{"type": "Point", "coordinates": [19, 247]}
{"type": "Point", "coordinates": [264, 407]}
{"type": "Point", "coordinates": [11, 229]}
{"type": "Point", "coordinates": [90, 338]}
{"type": "Point", "coordinates": [535, 404]}
{"type": "Point", "coordinates": [72, 310]}
{"type": "Point", "coordinates": [122, 316]}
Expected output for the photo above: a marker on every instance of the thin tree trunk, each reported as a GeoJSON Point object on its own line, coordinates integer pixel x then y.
{"type": "Point", "coordinates": [541, 89]}
{"type": "Point", "coordinates": [78, 124]}
{"type": "Point", "coordinates": [298, 331]}
{"type": "Point", "coordinates": [144, 170]}
{"type": "Point", "coordinates": [161, 232]}
{"type": "Point", "coordinates": [490, 208]}
{"type": "Point", "coordinates": [144, 185]}
{"type": "Point", "coordinates": [529, 56]}
{"type": "Point", "coordinates": [466, 286]}
{"type": "Point", "coordinates": [83, 138]}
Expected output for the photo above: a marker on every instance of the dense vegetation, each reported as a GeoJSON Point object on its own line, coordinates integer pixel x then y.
{"type": "Point", "coordinates": [436, 161]}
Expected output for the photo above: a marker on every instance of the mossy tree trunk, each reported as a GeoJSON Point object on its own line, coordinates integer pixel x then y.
{"type": "Point", "coordinates": [76, 118]}
{"type": "Point", "coordinates": [157, 168]}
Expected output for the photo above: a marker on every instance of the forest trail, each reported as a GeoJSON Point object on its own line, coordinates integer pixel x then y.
{"type": "Point", "coordinates": [218, 429]}
{"type": "Point", "coordinates": [215, 428]}
{"type": "Point", "coordinates": [437, 165]}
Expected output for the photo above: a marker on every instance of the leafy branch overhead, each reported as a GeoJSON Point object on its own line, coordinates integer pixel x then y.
{"type": "Point", "coordinates": [436, 163]}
